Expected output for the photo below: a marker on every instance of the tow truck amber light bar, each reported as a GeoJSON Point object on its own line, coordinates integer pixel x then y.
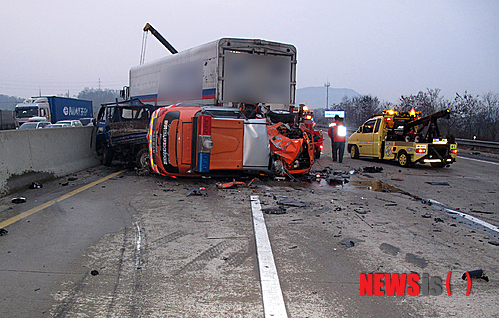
{"type": "Point", "coordinates": [204, 143]}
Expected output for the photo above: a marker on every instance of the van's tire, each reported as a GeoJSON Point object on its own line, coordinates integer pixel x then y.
{"type": "Point", "coordinates": [281, 115]}
{"type": "Point", "coordinates": [354, 152]}
{"type": "Point", "coordinates": [107, 156]}
{"type": "Point", "coordinates": [404, 159]}
{"type": "Point", "coordinates": [142, 159]}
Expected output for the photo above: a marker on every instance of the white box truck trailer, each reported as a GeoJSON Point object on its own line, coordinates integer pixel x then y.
{"type": "Point", "coordinates": [224, 72]}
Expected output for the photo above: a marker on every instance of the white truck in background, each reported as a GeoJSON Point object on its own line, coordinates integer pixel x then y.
{"type": "Point", "coordinates": [225, 72]}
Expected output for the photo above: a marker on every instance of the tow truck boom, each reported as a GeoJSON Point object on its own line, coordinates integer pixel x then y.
{"type": "Point", "coordinates": [425, 120]}
{"type": "Point", "coordinates": [160, 38]}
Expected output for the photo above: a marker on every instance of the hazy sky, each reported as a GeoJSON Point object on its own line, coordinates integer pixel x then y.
{"type": "Point", "coordinates": [383, 48]}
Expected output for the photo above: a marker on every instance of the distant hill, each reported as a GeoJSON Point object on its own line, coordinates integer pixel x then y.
{"type": "Point", "coordinates": [9, 102]}
{"type": "Point", "coordinates": [315, 97]}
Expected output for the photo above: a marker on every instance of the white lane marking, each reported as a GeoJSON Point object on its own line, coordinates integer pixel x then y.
{"type": "Point", "coordinates": [466, 216]}
{"type": "Point", "coordinates": [493, 163]}
{"type": "Point", "coordinates": [273, 302]}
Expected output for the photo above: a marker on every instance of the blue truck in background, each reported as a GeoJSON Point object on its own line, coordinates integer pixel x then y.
{"type": "Point", "coordinates": [52, 109]}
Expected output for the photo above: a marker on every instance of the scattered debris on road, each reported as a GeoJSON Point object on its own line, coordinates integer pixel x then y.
{"type": "Point", "coordinates": [416, 260]}
{"type": "Point", "coordinates": [439, 183]}
{"type": "Point", "coordinates": [36, 185]}
{"type": "Point", "coordinates": [478, 273]}
{"type": "Point", "coordinates": [389, 249]}
{"type": "Point", "coordinates": [94, 272]}
{"type": "Point", "coordinates": [373, 169]}
{"type": "Point", "coordinates": [426, 216]}
{"type": "Point", "coordinates": [279, 210]}
{"type": "Point", "coordinates": [361, 211]}
{"type": "Point", "coordinates": [19, 200]}
{"type": "Point", "coordinates": [496, 243]}
{"type": "Point", "coordinates": [350, 242]}
{"type": "Point", "coordinates": [196, 191]}
{"type": "Point", "coordinates": [231, 184]}
{"type": "Point", "coordinates": [3, 232]}
{"type": "Point", "coordinates": [292, 203]}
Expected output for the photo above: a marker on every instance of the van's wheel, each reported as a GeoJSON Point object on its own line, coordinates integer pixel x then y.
{"type": "Point", "coordinates": [354, 152]}
{"type": "Point", "coordinates": [142, 159]}
{"type": "Point", "coordinates": [404, 159]}
{"type": "Point", "coordinates": [107, 155]}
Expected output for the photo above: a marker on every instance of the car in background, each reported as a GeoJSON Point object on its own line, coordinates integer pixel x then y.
{"type": "Point", "coordinates": [34, 125]}
{"type": "Point", "coordinates": [71, 123]}
{"type": "Point", "coordinates": [58, 125]}
{"type": "Point", "coordinates": [87, 121]}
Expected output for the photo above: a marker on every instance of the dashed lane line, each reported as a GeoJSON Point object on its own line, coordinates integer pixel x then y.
{"type": "Point", "coordinates": [273, 301]}
{"type": "Point", "coordinates": [466, 216]}
{"type": "Point", "coordinates": [59, 199]}
{"type": "Point", "coordinates": [493, 163]}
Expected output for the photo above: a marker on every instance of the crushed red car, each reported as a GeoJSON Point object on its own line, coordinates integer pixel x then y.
{"type": "Point", "coordinates": [194, 140]}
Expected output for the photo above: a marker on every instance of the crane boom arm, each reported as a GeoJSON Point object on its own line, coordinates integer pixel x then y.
{"type": "Point", "coordinates": [160, 38]}
{"type": "Point", "coordinates": [425, 120]}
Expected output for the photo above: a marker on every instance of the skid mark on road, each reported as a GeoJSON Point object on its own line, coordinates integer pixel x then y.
{"type": "Point", "coordinates": [202, 259]}
{"type": "Point", "coordinates": [167, 239]}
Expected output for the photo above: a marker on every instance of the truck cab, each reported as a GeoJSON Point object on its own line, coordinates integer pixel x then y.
{"type": "Point", "coordinates": [405, 138]}
{"type": "Point", "coordinates": [32, 108]}
{"type": "Point", "coordinates": [122, 132]}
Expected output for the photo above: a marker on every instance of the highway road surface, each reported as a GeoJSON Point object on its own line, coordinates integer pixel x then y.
{"type": "Point", "coordinates": [115, 242]}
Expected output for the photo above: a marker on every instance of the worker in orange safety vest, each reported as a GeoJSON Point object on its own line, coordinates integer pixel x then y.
{"type": "Point", "coordinates": [337, 132]}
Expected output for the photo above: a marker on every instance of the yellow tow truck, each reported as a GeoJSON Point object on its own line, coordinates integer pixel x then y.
{"type": "Point", "coordinates": [404, 137]}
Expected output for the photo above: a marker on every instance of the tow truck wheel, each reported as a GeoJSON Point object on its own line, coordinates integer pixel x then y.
{"type": "Point", "coordinates": [404, 159]}
{"type": "Point", "coordinates": [437, 164]}
{"type": "Point", "coordinates": [354, 152]}
{"type": "Point", "coordinates": [142, 159]}
{"type": "Point", "coordinates": [107, 156]}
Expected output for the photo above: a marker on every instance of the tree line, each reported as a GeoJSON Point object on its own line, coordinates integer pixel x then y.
{"type": "Point", "coordinates": [471, 116]}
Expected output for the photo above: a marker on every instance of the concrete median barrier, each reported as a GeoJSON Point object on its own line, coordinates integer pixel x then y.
{"type": "Point", "coordinates": [34, 154]}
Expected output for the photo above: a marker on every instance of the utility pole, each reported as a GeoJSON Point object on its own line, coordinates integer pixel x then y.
{"type": "Point", "coordinates": [327, 93]}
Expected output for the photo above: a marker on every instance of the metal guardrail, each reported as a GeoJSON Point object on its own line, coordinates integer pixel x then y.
{"type": "Point", "coordinates": [478, 143]}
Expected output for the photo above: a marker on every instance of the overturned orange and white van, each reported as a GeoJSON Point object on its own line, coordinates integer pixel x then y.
{"type": "Point", "coordinates": [194, 140]}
